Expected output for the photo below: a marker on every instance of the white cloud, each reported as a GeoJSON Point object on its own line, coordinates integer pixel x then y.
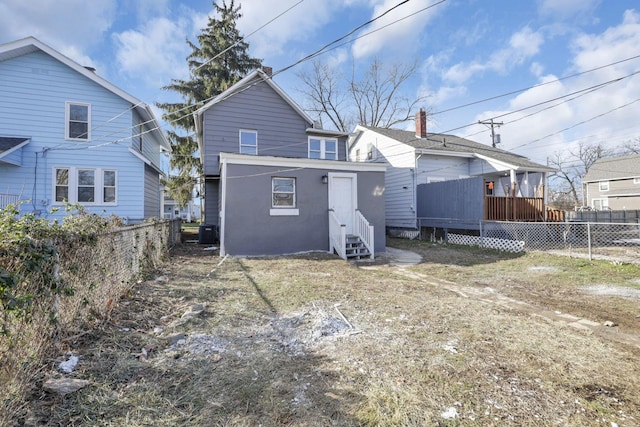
{"type": "Point", "coordinates": [299, 21]}
{"type": "Point", "coordinates": [563, 9]}
{"type": "Point", "coordinates": [156, 51]}
{"type": "Point", "coordinates": [607, 115]}
{"type": "Point", "coordinates": [523, 45]}
{"type": "Point", "coordinates": [387, 35]}
{"type": "Point", "coordinates": [78, 23]}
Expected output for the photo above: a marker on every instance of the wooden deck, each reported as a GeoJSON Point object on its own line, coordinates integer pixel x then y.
{"type": "Point", "coordinates": [508, 208]}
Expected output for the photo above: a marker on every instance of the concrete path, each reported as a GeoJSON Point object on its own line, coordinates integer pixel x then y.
{"type": "Point", "coordinates": [402, 258]}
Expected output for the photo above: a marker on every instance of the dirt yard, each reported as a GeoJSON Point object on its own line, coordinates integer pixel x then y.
{"type": "Point", "coordinates": [466, 337]}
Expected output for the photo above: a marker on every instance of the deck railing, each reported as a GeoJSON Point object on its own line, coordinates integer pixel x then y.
{"type": "Point", "coordinates": [364, 230]}
{"type": "Point", "coordinates": [337, 235]}
{"type": "Point", "coordinates": [498, 208]}
{"type": "Point", "coordinates": [7, 199]}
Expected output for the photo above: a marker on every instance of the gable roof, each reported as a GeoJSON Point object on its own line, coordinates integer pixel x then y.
{"type": "Point", "coordinates": [29, 45]}
{"type": "Point", "coordinates": [246, 83]}
{"type": "Point", "coordinates": [452, 145]}
{"type": "Point", "coordinates": [624, 167]}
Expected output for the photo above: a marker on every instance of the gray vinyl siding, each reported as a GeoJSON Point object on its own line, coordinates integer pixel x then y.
{"type": "Point", "coordinates": [211, 201]}
{"type": "Point", "coordinates": [281, 130]}
{"type": "Point", "coordinates": [461, 199]}
{"type": "Point", "coordinates": [151, 193]}
{"type": "Point", "coordinates": [251, 230]}
{"type": "Point", "coordinates": [623, 194]}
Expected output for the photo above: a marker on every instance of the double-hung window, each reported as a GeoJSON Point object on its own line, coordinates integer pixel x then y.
{"type": "Point", "coordinates": [78, 121]}
{"type": "Point", "coordinates": [85, 185]}
{"type": "Point", "coordinates": [323, 148]}
{"type": "Point", "coordinates": [283, 192]}
{"type": "Point", "coordinates": [603, 185]}
{"type": "Point", "coordinates": [248, 142]}
{"type": "Point", "coordinates": [61, 177]}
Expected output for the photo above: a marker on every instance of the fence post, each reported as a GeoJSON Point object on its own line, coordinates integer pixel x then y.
{"type": "Point", "coordinates": [481, 235]}
{"type": "Point", "coordinates": [589, 239]}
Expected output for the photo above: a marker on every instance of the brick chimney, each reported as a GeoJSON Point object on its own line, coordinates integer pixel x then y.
{"type": "Point", "coordinates": [421, 123]}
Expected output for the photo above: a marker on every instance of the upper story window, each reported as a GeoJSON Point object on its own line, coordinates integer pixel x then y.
{"type": "Point", "coordinates": [603, 185]}
{"type": "Point", "coordinates": [248, 142]}
{"type": "Point", "coordinates": [636, 180]}
{"type": "Point", "coordinates": [85, 185]}
{"type": "Point", "coordinates": [321, 148]}
{"type": "Point", "coordinates": [78, 121]}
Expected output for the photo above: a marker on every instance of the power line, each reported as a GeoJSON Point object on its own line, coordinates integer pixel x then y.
{"type": "Point", "coordinates": [534, 86]}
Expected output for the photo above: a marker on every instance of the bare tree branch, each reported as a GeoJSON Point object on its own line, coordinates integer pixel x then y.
{"type": "Point", "coordinates": [375, 100]}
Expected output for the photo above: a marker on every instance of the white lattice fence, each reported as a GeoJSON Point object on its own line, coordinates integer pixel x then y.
{"type": "Point", "coordinates": [487, 242]}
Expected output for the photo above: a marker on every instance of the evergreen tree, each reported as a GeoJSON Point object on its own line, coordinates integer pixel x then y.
{"type": "Point", "coordinates": [218, 60]}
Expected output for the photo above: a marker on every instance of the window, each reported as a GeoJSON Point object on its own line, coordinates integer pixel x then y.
{"type": "Point", "coordinates": [248, 142]}
{"type": "Point", "coordinates": [604, 185]}
{"type": "Point", "coordinates": [84, 185]}
{"type": "Point", "coordinates": [320, 148]}
{"type": "Point", "coordinates": [140, 136]}
{"type": "Point", "coordinates": [488, 188]}
{"type": "Point", "coordinates": [358, 155]}
{"type": "Point", "coordinates": [636, 180]}
{"type": "Point", "coordinates": [600, 204]}
{"type": "Point", "coordinates": [62, 185]}
{"type": "Point", "coordinates": [283, 192]}
{"type": "Point", "coordinates": [109, 186]}
{"type": "Point", "coordinates": [78, 121]}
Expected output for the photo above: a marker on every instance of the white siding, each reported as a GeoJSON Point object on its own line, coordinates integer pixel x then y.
{"type": "Point", "coordinates": [399, 180]}
{"type": "Point", "coordinates": [433, 168]}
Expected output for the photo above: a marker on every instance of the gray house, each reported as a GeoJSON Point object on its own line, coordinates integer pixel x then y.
{"type": "Point", "coordinates": [277, 184]}
{"type": "Point", "coordinates": [613, 183]}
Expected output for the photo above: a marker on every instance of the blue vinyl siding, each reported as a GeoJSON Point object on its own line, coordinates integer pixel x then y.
{"type": "Point", "coordinates": [33, 91]}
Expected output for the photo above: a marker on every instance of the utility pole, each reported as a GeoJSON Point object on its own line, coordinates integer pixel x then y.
{"type": "Point", "coordinates": [491, 123]}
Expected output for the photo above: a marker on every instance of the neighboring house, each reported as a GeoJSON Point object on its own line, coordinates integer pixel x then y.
{"type": "Point", "coordinates": [68, 135]}
{"type": "Point", "coordinates": [613, 183]}
{"type": "Point", "coordinates": [172, 209]}
{"type": "Point", "coordinates": [276, 184]}
{"type": "Point", "coordinates": [448, 179]}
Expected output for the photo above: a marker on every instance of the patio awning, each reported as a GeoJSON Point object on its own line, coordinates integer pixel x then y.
{"type": "Point", "coordinates": [11, 149]}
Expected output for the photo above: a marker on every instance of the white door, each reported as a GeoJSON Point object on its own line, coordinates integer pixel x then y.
{"type": "Point", "coordinates": [343, 198]}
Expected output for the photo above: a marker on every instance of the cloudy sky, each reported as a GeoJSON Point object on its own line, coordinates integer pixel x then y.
{"type": "Point", "coordinates": [555, 72]}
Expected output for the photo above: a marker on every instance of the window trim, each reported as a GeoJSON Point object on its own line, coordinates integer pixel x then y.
{"type": "Point", "coordinates": [604, 203]}
{"type": "Point", "coordinates": [602, 184]}
{"type": "Point", "coordinates": [284, 210]}
{"type": "Point", "coordinates": [67, 120]}
{"type": "Point", "coordinates": [73, 185]}
{"type": "Point", "coordinates": [323, 148]}
{"type": "Point", "coordinates": [240, 144]}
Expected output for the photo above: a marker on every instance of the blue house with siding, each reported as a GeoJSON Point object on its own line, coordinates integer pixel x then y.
{"type": "Point", "coordinates": [277, 184]}
{"type": "Point", "coordinates": [68, 135]}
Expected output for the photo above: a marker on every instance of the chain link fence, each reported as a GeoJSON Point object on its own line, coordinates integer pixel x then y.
{"type": "Point", "coordinates": [70, 284]}
{"type": "Point", "coordinates": [610, 241]}
{"type": "Point", "coordinates": [615, 241]}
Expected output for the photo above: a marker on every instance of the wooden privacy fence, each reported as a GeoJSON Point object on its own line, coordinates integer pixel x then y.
{"type": "Point", "coordinates": [508, 208]}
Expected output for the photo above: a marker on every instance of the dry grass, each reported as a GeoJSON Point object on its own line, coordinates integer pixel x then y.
{"type": "Point", "coordinates": [271, 347]}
